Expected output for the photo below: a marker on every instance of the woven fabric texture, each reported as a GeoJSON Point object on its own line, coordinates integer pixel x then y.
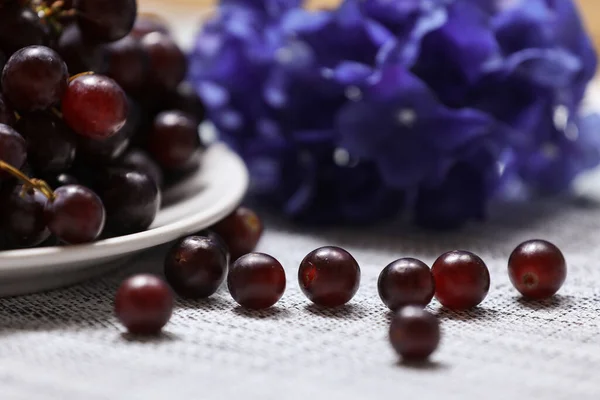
{"type": "Point", "coordinates": [66, 344]}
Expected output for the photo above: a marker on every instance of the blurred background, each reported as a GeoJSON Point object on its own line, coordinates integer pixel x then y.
{"type": "Point", "coordinates": [185, 15]}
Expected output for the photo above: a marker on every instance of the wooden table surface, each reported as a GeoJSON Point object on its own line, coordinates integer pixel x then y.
{"type": "Point", "coordinates": [190, 11]}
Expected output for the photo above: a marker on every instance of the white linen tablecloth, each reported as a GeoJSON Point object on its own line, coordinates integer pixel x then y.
{"type": "Point", "coordinates": [66, 344]}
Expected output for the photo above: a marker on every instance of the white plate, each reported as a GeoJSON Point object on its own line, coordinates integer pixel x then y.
{"type": "Point", "coordinates": [196, 203]}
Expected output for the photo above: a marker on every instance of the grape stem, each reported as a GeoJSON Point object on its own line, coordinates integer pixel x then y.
{"type": "Point", "coordinates": [30, 183]}
{"type": "Point", "coordinates": [71, 79]}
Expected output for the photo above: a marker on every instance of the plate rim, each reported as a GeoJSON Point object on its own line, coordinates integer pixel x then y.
{"type": "Point", "coordinates": [138, 241]}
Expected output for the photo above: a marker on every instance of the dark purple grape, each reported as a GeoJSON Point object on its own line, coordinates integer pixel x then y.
{"type": "Point", "coordinates": [34, 78]}
{"type": "Point", "coordinates": [105, 20]}
{"type": "Point", "coordinates": [22, 216]}
{"type": "Point", "coordinates": [140, 161]}
{"type": "Point", "coordinates": [129, 63]}
{"type": "Point", "coordinates": [185, 99]}
{"type": "Point", "coordinates": [21, 27]}
{"type": "Point", "coordinates": [256, 281]}
{"type": "Point", "coordinates": [50, 142]}
{"type": "Point", "coordinates": [80, 55]}
{"type": "Point", "coordinates": [195, 267]}
{"type": "Point", "coordinates": [13, 148]}
{"type": "Point", "coordinates": [7, 115]}
{"type": "Point", "coordinates": [168, 64]}
{"type": "Point", "coordinates": [147, 23]}
{"type": "Point", "coordinates": [132, 200]}
{"type": "Point", "coordinates": [61, 180]}
{"type": "Point", "coordinates": [215, 237]}
{"type": "Point", "coordinates": [95, 106]}
{"type": "Point", "coordinates": [174, 141]}
{"type": "Point", "coordinates": [75, 215]}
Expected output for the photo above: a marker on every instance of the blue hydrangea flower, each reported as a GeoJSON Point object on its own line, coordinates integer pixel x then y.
{"type": "Point", "coordinates": [434, 107]}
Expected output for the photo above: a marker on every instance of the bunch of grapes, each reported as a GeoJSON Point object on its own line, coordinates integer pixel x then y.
{"type": "Point", "coordinates": [95, 120]}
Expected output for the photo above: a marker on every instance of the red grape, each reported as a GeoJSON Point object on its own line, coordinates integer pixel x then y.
{"type": "Point", "coordinates": [94, 106]}
{"type": "Point", "coordinates": [104, 151]}
{"type": "Point", "coordinates": [75, 215]}
{"type": "Point", "coordinates": [414, 333]}
{"type": "Point", "coordinates": [105, 20]}
{"type": "Point", "coordinates": [34, 78]}
{"type": "Point", "coordinates": [462, 280]}
{"type": "Point", "coordinates": [537, 269]}
{"type": "Point", "coordinates": [329, 276]}
{"type": "Point", "coordinates": [144, 304]}
{"type": "Point", "coordinates": [241, 230]}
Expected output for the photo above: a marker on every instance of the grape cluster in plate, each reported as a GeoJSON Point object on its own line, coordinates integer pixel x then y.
{"type": "Point", "coordinates": [95, 120]}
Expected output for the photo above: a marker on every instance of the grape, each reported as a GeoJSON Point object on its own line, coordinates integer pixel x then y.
{"type": "Point", "coordinates": [13, 148]}
{"type": "Point", "coordinates": [75, 215]}
{"type": "Point", "coordinates": [2, 60]}
{"type": "Point", "coordinates": [79, 55]}
{"type": "Point", "coordinates": [7, 116]}
{"type": "Point", "coordinates": [174, 139]}
{"type": "Point", "coordinates": [22, 216]}
{"type": "Point", "coordinates": [21, 27]}
{"type": "Point", "coordinates": [145, 24]}
{"type": "Point", "coordinates": [34, 78]}
{"type": "Point", "coordinates": [132, 200]}
{"type": "Point", "coordinates": [50, 142]}
{"type": "Point", "coordinates": [168, 64]}
{"type": "Point", "coordinates": [94, 106]}
{"type": "Point", "coordinates": [105, 20]}
{"type": "Point", "coordinates": [140, 161]}
{"type": "Point", "coordinates": [61, 180]}
{"type": "Point", "coordinates": [128, 63]}
{"type": "Point", "coordinates": [185, 99]}
{"type": "Point", "coordinates": [103, 151]}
